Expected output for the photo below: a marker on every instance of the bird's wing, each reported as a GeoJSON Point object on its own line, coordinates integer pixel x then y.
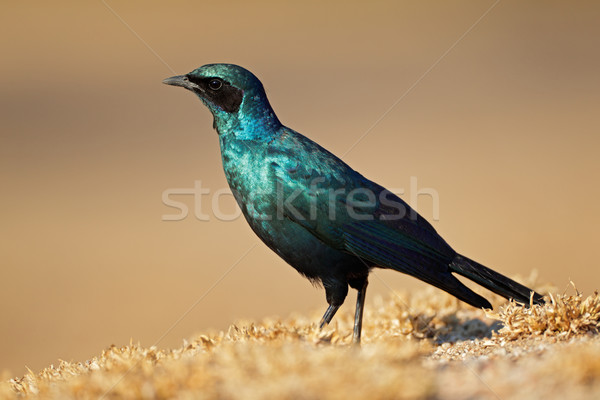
{"type": "Point", "coordinates": [385, 233]}
{"type": "Point", "coordinates": [351, 213]}
{"type": "Point", "coordinates": [382, 231]}
{"type": "Point", "coordinates": [384, 246]}
{"type": "Point", "coordinates": [403, 245]}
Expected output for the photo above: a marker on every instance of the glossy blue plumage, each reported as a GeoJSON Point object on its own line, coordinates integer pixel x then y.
{"type": "Point", "coordinates": [325, 219]}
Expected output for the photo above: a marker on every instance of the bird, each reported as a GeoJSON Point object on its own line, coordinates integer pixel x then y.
{"type": "Point", "coordinates": [318, 214]}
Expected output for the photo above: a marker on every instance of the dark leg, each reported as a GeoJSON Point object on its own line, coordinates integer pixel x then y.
{"type": "Point", "coordinates": [358, 316]}
{"type": "Point", "coordinates": [331, 310]}
{"type": "Point", "coordinates": [335, 292]}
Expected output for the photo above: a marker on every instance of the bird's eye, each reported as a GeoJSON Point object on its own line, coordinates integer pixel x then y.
{"type": "Point", "coordinates": [215, 84]}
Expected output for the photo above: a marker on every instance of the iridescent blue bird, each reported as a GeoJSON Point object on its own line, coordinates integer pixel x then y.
{"type": "Point", "coordinates": [323, 218]}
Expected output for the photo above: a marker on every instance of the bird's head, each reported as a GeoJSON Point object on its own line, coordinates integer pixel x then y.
{"type": "Point", "coordinates": [230, 92]}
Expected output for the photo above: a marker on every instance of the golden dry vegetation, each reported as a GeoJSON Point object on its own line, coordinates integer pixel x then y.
{"type": "Point", "coordinates": [425, 345]}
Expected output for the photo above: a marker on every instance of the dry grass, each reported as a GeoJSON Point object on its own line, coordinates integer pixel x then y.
{"type": "Point", "coordinates": [427, 345]}
{"type": "Point", "coordinates": [564, 317]}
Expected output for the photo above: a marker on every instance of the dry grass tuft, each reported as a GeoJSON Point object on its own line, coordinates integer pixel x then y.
{"type": "Point", "coordinates": [423, 346]}
{"type": "Point", "coordinates": [563, 316]}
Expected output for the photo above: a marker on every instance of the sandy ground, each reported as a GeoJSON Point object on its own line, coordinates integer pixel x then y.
{"type": "Point", "coordinates": [425, 345]}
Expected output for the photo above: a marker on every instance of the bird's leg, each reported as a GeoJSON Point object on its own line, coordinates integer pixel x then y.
{"type": "Point", "coordinates": [358, 316]}
{"type": "Point", "coordinates": [329, 313]}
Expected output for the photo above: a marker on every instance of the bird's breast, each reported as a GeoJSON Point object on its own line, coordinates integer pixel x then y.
{"type": "Point", "coordinates": [250, 178]}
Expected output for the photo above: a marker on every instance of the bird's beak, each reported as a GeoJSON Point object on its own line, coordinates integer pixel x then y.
{"type": "Point", "coordinates": [179, 80]}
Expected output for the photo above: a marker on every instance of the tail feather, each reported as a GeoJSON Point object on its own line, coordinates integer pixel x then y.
{"type": "Point", "coordinates": [493, 281]}
{"type": "Point", "coordinates": [457, 289]}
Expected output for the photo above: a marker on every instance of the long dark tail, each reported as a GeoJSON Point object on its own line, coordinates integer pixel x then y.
{"type": "Point", "coordinates": [493, 281]}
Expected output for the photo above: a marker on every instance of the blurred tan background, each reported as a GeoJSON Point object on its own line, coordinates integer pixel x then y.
{"type": "Point", "coordinates": [506, 129]}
